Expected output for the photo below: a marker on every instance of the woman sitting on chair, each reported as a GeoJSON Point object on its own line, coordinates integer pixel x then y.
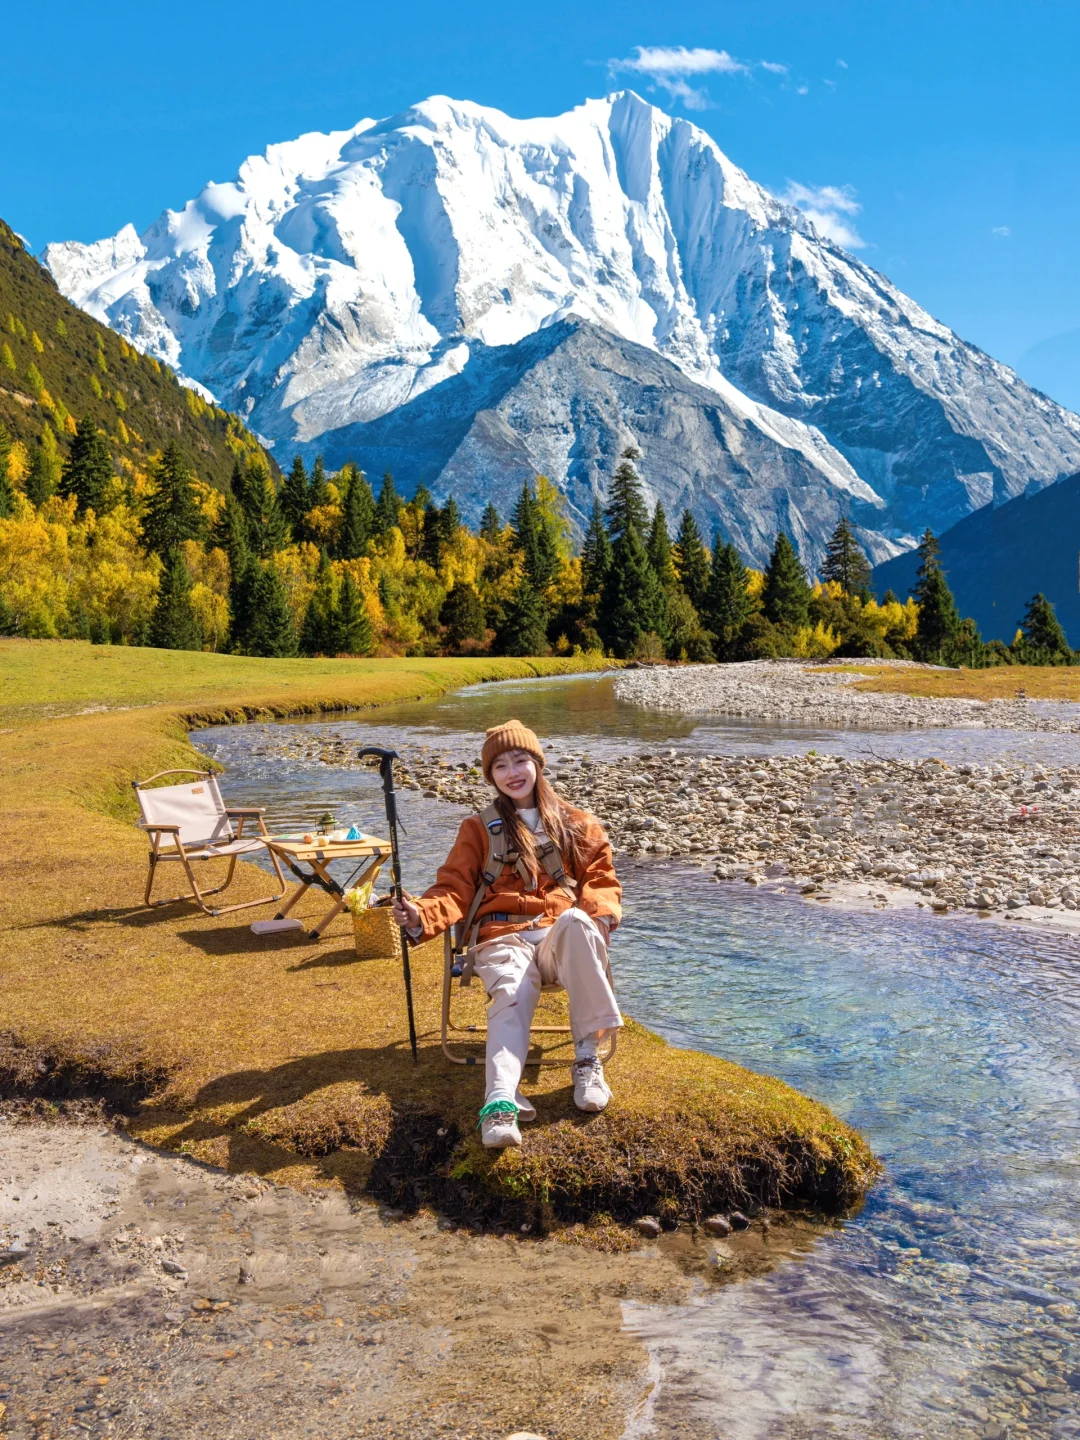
{"type": "Point", "coordinates": [545, 919]}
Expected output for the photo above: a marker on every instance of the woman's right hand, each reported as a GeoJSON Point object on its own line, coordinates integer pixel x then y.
{"type": "Point", "coordinates": [406, 914]}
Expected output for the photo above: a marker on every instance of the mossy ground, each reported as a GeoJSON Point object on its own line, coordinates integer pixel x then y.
{"type": "Point", "coordinates": [290, 1058]}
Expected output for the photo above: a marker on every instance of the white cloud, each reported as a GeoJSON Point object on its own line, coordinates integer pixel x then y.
{"type": "Point", "coordinates": [803, 90]}
{"type": "Point", "coordinates": [832, 208]}
{"type": "Point", "coordinates": [843, 64]}
{"type": "Point", "coordinates": [659, 60]}
{"type": "Point", "coordinates": [1001, 230]}
{"type": "Point", "coordinates": [671, 65]}
{"type": "Point", "coordinates": [773, 66]}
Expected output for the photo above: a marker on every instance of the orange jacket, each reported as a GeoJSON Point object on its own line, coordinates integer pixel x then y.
{"type": "Point", "coordinates": [461, 875]}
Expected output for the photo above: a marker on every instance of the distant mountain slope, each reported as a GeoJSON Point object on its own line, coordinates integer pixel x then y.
{"type": "Point", "coordinates": [57, 362]}
{"type": "Point", "coordinates": [998, 558]}
{"type": "Point", "coordinates": [339, 277]}
{"type": "Point", "coordinates": [564, 400]}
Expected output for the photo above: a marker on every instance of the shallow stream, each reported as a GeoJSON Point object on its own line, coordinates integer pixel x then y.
{"type": "Point", "coordinates": [948, 1306]}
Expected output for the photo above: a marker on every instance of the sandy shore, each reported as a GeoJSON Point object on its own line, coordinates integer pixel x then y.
{"type": "Point", "coordinates": [795, 692]}
{"type": "Point", "coordinates": [142, 1294]}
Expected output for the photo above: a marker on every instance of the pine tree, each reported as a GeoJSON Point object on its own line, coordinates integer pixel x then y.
{"type": "Point", "coordinates": [595, 553]}
{"type": "Point", "coordinates": [1043, 640]}
{"type": "Point", "coordinates": [626, 503]}
{"type": "Point", "coordinates": [295, 499]}
{"type": "Point", "coordinates": [388, 505]}
{"type": "Point", "coordinates": [88, 471]}
{"type": "Point", "coordinates": [632, 603]}
{"type": "Point", "coordinates": [939, 619]}
{"type": "Point", "coordinates": [463, 615]}
{"type": "Point", "coordinates": [659, 549]}
{"type": "Point", "coordinates": [172, 515]}
{"type": "Point", "coordinates": [243, 591]}
{"type": "Point", "coordinates": [38, 485]}
{"type": "Point", "coordinates": [422, 499]}
{"type": "Point", "coordinates": [319, 634]}
{"type": "Point", "coordinates": [786, 596]}
{"type": "Point", "coordinates": [174, 625]}
{"type": "Point", "coordinates": [254, 487]}
{"type": "Point", "coordinates": [7, 490]}
{"type": "Point", "coordinates": [846, 564]}
{"type": "Point", "coordinates": [490, 525]}
{"type": "Point", "coordinates": [533, 537]}
{"type": "Point", "coordinates": [319, 493]}
{"type": "Point", "coordinates": [272, 631]}
{"type": "Point", "coordinates": [727, 603]}
{"type": "Point", "coordinates": [692, 561]}
{"type": "Point", "coordinates": [355, 635]}
{"type": "Point", "coordinates": [358, 519]}
{"type": "Point", "coordinates": [523, 630]}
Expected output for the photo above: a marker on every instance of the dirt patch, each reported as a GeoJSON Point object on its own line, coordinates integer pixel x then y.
{"type": "Point", "coordinates": [154, 1297]}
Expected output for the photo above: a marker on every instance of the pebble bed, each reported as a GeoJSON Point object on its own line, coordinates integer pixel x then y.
{"type": "Point", "coordinates": [796, 693]}
{"type": "Point", "coordinates": [982, 838]}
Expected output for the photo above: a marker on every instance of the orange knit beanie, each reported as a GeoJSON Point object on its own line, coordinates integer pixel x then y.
{"type": "Point", "coordinates": [510, 736]}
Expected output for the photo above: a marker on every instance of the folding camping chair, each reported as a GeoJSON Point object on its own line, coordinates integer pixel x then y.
{"type": "Point", "coordinates": [453, 967]}
{"type": "Point", "coordinates": [191, 822]}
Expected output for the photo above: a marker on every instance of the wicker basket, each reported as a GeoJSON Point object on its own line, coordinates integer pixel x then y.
{"type": "Point", "coordinates": [374, 933]}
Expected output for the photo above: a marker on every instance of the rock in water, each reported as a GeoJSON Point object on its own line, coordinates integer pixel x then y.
{"type": "Point", "coordinates": [717, 1225]}
{"type": "Point", "coordinates": [648, 1226]}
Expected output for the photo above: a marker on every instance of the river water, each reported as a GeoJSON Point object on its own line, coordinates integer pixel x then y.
{"type": "Point", "coordinates": [948, 1305]}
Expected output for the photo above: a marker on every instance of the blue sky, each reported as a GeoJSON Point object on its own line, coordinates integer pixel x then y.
{"type": "Point", "coordinates": [942, 136]}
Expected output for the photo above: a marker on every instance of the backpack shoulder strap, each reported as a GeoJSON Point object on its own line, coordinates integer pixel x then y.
{"type": "Point", "coordinates": [493, 868]}
{"type": "Point", "coordinates": [548, 854]}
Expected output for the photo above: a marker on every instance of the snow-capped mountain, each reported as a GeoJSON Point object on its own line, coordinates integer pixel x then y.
{"type": "Point", "coordinates": [471, 298]}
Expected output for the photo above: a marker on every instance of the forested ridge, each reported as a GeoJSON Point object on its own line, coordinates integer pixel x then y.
{"type": "Point", "coordinates": [134, 512]}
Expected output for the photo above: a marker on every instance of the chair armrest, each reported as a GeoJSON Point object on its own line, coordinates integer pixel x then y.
{"type": "Point", "coordinates": [166, 829]}
{"type": "Point", "coordinates": [245, 810]}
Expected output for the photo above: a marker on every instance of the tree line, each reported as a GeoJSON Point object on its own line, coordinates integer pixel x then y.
{"type": "Point", "coordinates": [316, 563]}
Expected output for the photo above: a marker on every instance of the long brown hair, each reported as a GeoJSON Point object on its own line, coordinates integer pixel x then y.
{"type": "Point", "coordinates": [556, 820]}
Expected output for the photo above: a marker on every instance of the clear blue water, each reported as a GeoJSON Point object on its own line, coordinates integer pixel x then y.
{"type": "Point", "coordinates": [952, 1044]}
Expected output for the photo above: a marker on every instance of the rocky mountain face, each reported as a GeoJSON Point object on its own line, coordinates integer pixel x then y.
{"type": "Point", "coordinates": [604, 277]}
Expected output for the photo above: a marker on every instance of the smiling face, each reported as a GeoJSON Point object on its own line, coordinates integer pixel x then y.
{"type": "Point", "coordinates": [514, 773]}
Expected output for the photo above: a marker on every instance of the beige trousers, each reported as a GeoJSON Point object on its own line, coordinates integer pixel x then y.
{"type": "Point", "coordinates": [571, 953]}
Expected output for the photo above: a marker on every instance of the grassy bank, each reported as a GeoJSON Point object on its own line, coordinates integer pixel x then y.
{"type": "Point", "coordinates": [290, 1058]}
{"type": "Point", "coordinates": [1040, 682]}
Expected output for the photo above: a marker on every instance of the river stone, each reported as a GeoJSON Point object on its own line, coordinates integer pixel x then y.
{"type": "Point", "coordinates": [717, 1225]}
{"type": "Point", "coordinates": [739, 1220]}
{"type": "Point", "coordinates": [648, 1226]}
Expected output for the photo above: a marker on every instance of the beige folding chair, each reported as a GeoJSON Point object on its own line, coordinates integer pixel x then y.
{"type": "Point", "coordinates": [191, 822]}
{"type": "Point", "coordinates": [453, 965]}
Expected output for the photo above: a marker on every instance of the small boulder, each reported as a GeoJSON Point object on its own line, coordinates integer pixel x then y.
{"type": "Point", "coordinates": [649, 1226]}
{"type": "Point", "coordinates": [739, 1220]}
{"type": "Point", "coordinates": [717, 1225]}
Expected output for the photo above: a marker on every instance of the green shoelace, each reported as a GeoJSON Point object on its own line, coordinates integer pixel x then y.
{"type": "Point", "coordinates": [497, 1107]}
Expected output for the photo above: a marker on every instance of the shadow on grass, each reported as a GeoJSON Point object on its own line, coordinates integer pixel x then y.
{"type": "Point", "coordinates": [238, 940]}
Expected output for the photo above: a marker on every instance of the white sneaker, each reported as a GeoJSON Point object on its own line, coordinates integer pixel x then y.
{"type": "Point", "coordinates": [590, 1088]}
{"type": "Point", "coordinates": [498, 1125]}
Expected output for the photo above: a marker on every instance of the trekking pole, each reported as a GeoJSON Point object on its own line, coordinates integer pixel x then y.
{"type": "Point", "coordinates": [386, 760]}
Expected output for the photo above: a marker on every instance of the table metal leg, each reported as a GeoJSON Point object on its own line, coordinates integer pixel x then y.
{"type": "Point", "coordinates": [370, 868]}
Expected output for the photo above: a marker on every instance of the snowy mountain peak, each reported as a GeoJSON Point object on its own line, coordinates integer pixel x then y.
{"type": "Point", "coordinates": [343, 278]}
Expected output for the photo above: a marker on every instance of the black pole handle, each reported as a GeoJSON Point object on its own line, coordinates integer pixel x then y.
{"type": "Point", "coordinates": [386, 760]}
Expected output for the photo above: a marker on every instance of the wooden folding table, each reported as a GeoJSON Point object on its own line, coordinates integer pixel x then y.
{"type": "Point", "coordinates": [308, 861]}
